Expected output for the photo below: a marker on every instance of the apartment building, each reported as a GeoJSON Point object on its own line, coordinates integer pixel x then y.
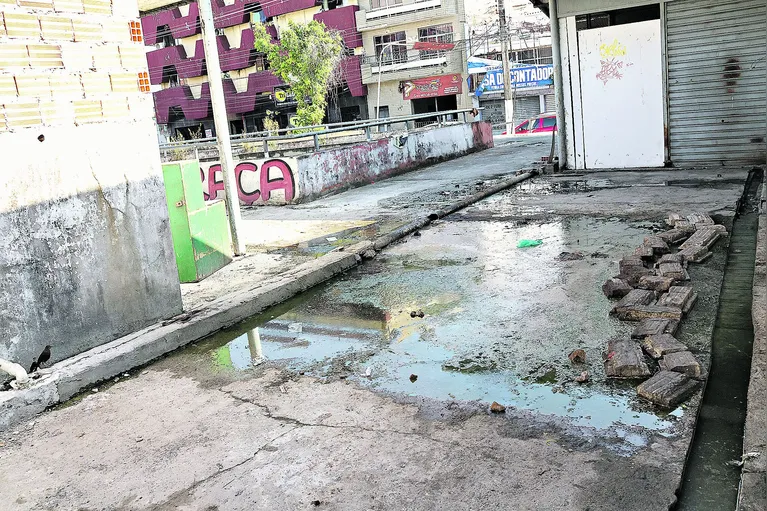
{"type": "Point", "coordinates": [177, 69]}
{"type": "Point", "coordinates": [416, 50]}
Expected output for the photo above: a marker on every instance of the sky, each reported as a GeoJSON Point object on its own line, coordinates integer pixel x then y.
{"type": "Point", "coordinates": [479, 11]}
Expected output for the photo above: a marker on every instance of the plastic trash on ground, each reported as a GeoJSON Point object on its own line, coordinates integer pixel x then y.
{"type": "Point", "coordinates": [529, 243]}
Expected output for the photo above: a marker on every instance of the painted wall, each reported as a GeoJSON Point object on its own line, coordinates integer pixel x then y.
{"type": "Point", "coordinates": [331, 171]}
{"type": "Point", "coordinates": [85, 247]}
{"type": "Point", "coordinates": [268, 181]}
{"type": "Point", "coordinates": [279, 181]}
{"type": "Point", "coordinates": [622, 94]}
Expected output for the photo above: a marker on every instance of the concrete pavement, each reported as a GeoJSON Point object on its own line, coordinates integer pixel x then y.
{"type": "Point", "coordinates": [308, 428]}
{"type": "Point", "coordinates": [280, 238]}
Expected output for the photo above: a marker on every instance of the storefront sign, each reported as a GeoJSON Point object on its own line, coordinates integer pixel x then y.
{"type": "Point", "coordinates": [432, 87]}
{"type": "Point", "coordinates": [527, 77]}
{"type": "Point", "coordinates": [426, 45]}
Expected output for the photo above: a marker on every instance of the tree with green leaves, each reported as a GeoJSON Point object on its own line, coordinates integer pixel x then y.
{"type": "Point", "coordinates": [306, 58]}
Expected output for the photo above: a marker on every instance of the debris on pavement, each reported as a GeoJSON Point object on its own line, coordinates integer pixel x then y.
{"type": "Point", "coordinates": [662, 344]}
{"type": "Point", "coordinates": [654, 326]}
{"type": "Point", "coordinates": [655, 283]}
{"type": "Point", "coordinates": [529, 243]}
{"type": "Point", "coordinates": [497, 408]}
{"type": "Point", "coordinates": [413, 378]}
{"type": "Point", "coordinates": [677, 258]}
{"type": "Point", "coordinates": [583, 378]}
{"type": "Point", "coordinates": [578, 357]}
{"type": "Point", "coordinates": [570, 256]}
{"type": "Point", "coordinates": [681, 362]}
{"type": "Point", "coordinates": [635, 298]}
{"type": "Point", "coordinates": [646, 253]}
{"type": "Point", "coordinates": [680, 297]}
{"type": "Point", "coordinates": [673, 236]}
{"type": "Point", "coordinates": [674, 271]}
{"type": "Point", "coordinates": [641, 312]}
{"type": "Point", "coordinates": [632, 269]}
{"type": "Point", "coordinates": [659, 303]}
{"type": "Point", "coordinates": [369, 254]}
{"type": "Point", "coordinates": [616, 288]}
{"type": "Point", "coordinates": [625, 360]}
{"type": "Point", "coordinates": [659, 246]}
{"type": "Point", "coordinates": [667, 389]}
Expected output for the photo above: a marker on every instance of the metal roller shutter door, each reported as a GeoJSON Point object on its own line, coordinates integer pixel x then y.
{"type": "Point", "coordinates": [551, 103]}
{"type": "Point", "coordinates": [717, 81]}
{"type": "Point", "coordinates": [525, 108]}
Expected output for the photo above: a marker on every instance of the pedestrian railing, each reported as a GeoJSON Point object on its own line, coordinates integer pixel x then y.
{"type": "Point", "coordinates": [313, 137]}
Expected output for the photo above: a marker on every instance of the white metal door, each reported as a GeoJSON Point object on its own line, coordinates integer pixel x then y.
{"type": "Point", "coordinates": [622, 95]}
{"type": "Point", "coordinates": [717, 81]}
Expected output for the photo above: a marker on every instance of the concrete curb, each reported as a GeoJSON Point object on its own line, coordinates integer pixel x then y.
{"type": "Point", "coordinates": [753, 485]}
{"type": "Point", "coordinates": [68, 377]}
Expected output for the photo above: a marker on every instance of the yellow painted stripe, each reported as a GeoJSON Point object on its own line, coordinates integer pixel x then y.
{"type": "Point", "coordinates": [20, 24]}
{"type": "Point", "coordinates": [22, 114]}
{"type": "Point", "coordinates": [56, 28]}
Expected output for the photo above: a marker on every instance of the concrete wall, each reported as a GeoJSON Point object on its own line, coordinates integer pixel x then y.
{"type": "Point", "coordinates": [85, 246]}
{"type": "Point", "coordinates": [279, 180]}
{"type": "Point", "coordinates": [330, 171]}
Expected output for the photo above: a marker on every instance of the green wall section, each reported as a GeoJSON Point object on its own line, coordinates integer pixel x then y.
{"type": "Point", "coordinates": [200, 230]}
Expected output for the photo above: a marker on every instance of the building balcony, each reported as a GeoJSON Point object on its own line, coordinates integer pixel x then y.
{"type": "Point", "coordinates": [412, 64]}
{"type": "Point", "coordinates": [173, 60]}
{"type": "Point", "coordinates": [409, 11]}
{"type": "Point", "coordinates": [344, 20]}
{"type": "Point", "coordinates": [179, 103]}
{"type": "Point", "coordinates": [171, 22]}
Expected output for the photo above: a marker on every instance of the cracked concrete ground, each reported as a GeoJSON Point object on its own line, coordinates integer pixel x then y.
{"type": "Point", "coordinates": [160, 441]}
{"type": "Point", "coordinates": [176, 436]}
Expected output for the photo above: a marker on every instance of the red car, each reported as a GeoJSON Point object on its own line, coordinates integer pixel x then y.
{"type": "Point", "coordinates": [544, 123]}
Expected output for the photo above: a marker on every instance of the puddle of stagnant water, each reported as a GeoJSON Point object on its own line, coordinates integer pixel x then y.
{"type": "Point", "coordinates": [499, 323]}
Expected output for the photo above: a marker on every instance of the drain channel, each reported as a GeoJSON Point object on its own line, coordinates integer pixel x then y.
{"type": "Point", "coordinates": [711, 480]}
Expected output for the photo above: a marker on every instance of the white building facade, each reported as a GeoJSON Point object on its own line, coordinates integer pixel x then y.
{"type": "Point", "coordinates": [675, 83]}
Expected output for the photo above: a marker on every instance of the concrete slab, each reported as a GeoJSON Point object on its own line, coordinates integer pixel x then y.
{"type": "Point", "coordinates": [662, 344]}
{"type": "Point", "coordinates": [355, 431]}
{"type": "Point", "coordinates": [667, 389]}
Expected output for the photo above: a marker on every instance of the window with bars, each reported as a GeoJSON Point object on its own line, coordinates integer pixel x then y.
{"type": "Point", "coordinates": [393, 46]}
{"type": "Point", "coordinates": [435, 34]}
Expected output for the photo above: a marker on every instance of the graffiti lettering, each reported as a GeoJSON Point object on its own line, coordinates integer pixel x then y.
{"type": "Point", "coordinates": [257, 181]}
{"type": "Point", "coordinates": [613, 50]}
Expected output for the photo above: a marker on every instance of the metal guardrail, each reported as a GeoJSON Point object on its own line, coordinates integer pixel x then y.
{"type": "Point", "coordinates": [317, 132]}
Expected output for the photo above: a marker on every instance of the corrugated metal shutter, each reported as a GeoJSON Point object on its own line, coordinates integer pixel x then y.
{"type": "Point", "coordinates": [525, 108]}
{"type": "Point", "coordinates": [717, 80]}
{"type": "Point", "coordinates": [551, 103]}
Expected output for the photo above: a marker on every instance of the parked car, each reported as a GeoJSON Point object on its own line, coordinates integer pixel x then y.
{"type": "Point", "coordinates": [544, 123]}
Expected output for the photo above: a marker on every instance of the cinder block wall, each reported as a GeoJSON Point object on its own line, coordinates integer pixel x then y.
{"type": "Point", "coordinates": [85, 247]}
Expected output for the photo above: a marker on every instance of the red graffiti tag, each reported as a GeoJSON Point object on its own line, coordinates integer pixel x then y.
{"type": "Point", "coordinates": [267, 184]}
{"type": "Point", "coordinates": [611, 69]}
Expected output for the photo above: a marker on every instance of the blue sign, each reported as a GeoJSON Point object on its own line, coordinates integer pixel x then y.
{"type": "Point", "coordinates": [527, 77]}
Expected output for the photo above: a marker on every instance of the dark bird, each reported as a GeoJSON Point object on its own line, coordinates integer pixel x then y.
{"type": "Point", "coordinates": [43, 358]}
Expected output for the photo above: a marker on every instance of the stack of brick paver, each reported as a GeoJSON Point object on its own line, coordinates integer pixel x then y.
{"type": "Point", "coordinates": [653, 289]}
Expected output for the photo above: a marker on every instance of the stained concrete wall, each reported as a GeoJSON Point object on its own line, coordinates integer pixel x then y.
{"type": "Point", "coordinates": [330, 171]}
{"type": "Point", "coordinates": [282, 180]}
{"type": "Point", "coordinates": [85, 246]}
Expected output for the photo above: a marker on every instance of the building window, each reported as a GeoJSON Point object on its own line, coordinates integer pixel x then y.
{"type": "Point", "coordinates": [380, 4]}
{"type": "Point", "coordinates": [260, 63]}
{"type": "Point", "coordinates": [435, 34]}
{"type": "Point", "coordinates": [617, 17]}
{"type": "Point", "coordinates": [395, 53]}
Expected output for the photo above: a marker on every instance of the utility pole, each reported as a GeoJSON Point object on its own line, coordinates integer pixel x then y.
{"type": "Point", "coordinates": [508, 94]}
{"type": "Point", "coordinates": [222, 124]}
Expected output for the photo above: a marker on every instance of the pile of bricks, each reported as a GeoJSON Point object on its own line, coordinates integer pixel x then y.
{"type": "Point", "coordinates": [653, 288]}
